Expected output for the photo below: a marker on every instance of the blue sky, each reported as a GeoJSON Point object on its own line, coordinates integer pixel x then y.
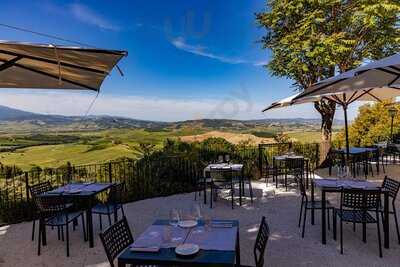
{"type": "Point", "coordinates": [187, 59]}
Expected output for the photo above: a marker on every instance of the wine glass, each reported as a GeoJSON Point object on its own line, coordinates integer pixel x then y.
{"type": "Point", "coordinates": [196, 212]}
{"type": "Point", "coordinates": [174, 217]}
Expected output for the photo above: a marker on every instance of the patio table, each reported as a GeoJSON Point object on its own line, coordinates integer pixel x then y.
{"type": "Point", "coordinates": [219, 246]}
{"type": "Point", "coordinates": [235, 167]}
{"type": "Point", "coordinates": [281, 159]}
{"type": "Point", "coordinates": [335, 186]}
{"type": "Point", "coordinates": [355, 152]}
{"type": "Point", "coordinates": [84, 191]}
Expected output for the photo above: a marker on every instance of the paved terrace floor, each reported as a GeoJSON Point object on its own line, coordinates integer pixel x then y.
{"type": "Point", "coordinates": [285, 247]}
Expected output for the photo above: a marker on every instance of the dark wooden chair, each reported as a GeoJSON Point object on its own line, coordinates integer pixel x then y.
{"type": "Point", "coordinates": [261, 243]}
{"type": "Point", "coordinates": [355, 205]}
{"type": "Point", "coordinates": [310, 205]}
{"type": "Point", "coordinates": [392, 186]}
{"type": "Point", "coordinates": [53, 212]}
{"type": "Point", "coordinates": [116, 239]}
{"type": "Point", "coordinates": [113, 203]}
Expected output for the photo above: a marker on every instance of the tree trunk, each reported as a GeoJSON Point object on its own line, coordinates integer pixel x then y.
{"type": "Point", "coordinates": [327, 110]}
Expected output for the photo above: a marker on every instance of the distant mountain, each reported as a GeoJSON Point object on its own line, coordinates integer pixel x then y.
{"type": "Point", "coordinates": [11, 115]}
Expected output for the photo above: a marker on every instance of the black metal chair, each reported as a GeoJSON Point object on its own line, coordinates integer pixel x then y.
{"type": "Point", "coordinates": [222, 178]}
{"type": "Point", "coordinates": [261, 243]}
{"type": "Point", "coordinates": [116, 239]}
{"type": "Point", "coordinates": [392, 186]}
{"type": "Point", "coordinates": [310, 205]}
{"type": "Point", "coordinates": [36, 190]}
{"type": "Point", "coordinates": [53, 212]}
{"type": "Point", "coordinates": [293, 167]}
{"type": "Point", "coordinates": [354, 207]}
{"type": "Point", "coordinates": [113, 203]}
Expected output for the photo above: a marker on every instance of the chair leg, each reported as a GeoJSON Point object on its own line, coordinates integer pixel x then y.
{"type": "Point", "coordinates": [62, 233]}
{"type": "Point", "coordinates": [122, 210]}
{"type": "Point", "coordinates": [232, 192]}
{"type": "Point", "coordinates": [364, 226]}
{"type": "Point", "coordinates": [341, 236]}
{"type": "Point", "coordinates": [84, 228]}
{"type": "Point", "coordinates": [58, 233]}
{"type": "Point", "coordinates": [211, 198]}
{"type": "Point", "coordinates": [329, 224]}
{"type": "Point", "coordinates": [301, 212]}
{"type": "Point", "coordinates": [334, 224]}
{"type": "Point", "coordinates": [379, 235]}
{"type": "Point", "coordinates": [101, 223]}
{"type": "Point", "coordinates": [67, 237]}
{"type": "Point", "coordinates": [251, 191]}
{"type": "Point", "coordinates": [40, 237]}
{"type": "Point", "coordinates": [396, 222]}
{"type": "Point", "coordinates": [33, 229]}
{"type": "Point", "coordinates": [109, 219]}
{"type": "Point", "coordinates": [304, 222]}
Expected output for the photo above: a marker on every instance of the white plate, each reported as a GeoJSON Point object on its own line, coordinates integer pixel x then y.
{"type": "Point", "coordinates": [187, 223]}
{"type": "Point", "coordinates": [187, 249]}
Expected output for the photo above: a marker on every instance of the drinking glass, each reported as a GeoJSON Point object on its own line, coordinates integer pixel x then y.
{"type": "Point", "coordinates": [174, 217]}
{"type": "Point", "coordinates": [196, 212]}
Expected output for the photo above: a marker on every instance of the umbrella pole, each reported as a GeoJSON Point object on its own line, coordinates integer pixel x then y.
{"type": "Point", "coordinates": [346, 129]}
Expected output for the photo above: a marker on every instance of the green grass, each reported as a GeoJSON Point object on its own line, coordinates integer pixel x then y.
{"type": "Point", "coordinates": [91, 147]}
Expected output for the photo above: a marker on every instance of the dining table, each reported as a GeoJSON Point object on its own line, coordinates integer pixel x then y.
{"type": "Point", "coordinates": [358, 153]}
{"type": "Point", "coordinates": [329, 185]}
{"type": "Point", "coordinates": [279, 161]}
{"type": "Point", "coordinates": [235, 167]}
{"type": "Point", "coordinates": [81, 191]}
{"type": "Point", "coordinates": [218, 242]}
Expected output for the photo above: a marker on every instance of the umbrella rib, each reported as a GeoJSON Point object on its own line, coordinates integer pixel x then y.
{"type": "Point", "coordinates": [10, 63]}
{"type": "Point", "coordinates": [395, 68]}
{"type": "Point", "coordinates": [55, 77]}
{"type": "Point", "coordinates": [388, 71]}
{"type": "Point", "coordinates": [351, 97]}
{"type": "Point", "coordinates": [377, 99]}
{"type": "Point", "coordinates": [395, 79]}
{"type": "Point", "coordinates": [53, 62]}
{"type": "Point", "coordinates": [318, 89]}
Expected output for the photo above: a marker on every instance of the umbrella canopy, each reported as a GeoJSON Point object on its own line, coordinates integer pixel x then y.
{"type": "Point", "coordinates": [375, 81]}
{"type": "Point", "coordinates": [36, 66]}
{"type": "Point", "coordinates": [289, 101]}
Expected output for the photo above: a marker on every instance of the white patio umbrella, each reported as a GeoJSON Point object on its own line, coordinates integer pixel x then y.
{"type": "Point", "coordinates": [289, 101]}
{"type": "Point", "coordinates": [375, 81]}
{"type": "Point", "coordinates": [39, 66]}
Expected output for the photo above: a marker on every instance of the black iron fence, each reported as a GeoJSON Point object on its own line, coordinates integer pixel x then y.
{"type": "Point", "coordinates": [159, 174]}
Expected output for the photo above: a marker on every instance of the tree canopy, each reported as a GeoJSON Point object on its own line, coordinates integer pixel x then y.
{"type": "Point", "coordinates": [372, 125]}
{"type": "Point", "coordinates": [314, 39]}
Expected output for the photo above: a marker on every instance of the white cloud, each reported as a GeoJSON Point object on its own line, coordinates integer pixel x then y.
{"type": "Point", "coordinates": [87, 15]}
{"type": "Point", "coordinates": [151, 108]}
{"type": "Point", "coordinates": [199, 50]}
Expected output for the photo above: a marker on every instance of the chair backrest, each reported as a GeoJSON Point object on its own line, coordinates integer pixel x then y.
{"type": "Point", "coordinates": [261, 243]}
{"type": "Point", "coordinates": [116, 238]}
{"type": "Point", "coordinates": [360, 199]}
{"type": "Point", "coordinates": [295, 163]}
{"type": "Point", "coordinates": [50, 204]}
{"type": "Point", "coordinates": [117, 193]}
{"type": "Point", "coordinates": [392, 186]}
{"type": "Point", "coordinates": [221, 175]}
{"type": "Point", "coordinates": [40, 188]}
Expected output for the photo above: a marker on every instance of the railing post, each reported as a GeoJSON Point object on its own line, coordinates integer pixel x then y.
{"type": "Point", "coordinates": [27, 185]}
{"type": "Point", "coordinates": [260, 160]}
{"type": "Point", "coordinates": [69, 172]}
{"type": "Point", "coordinates": [110, 172]}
